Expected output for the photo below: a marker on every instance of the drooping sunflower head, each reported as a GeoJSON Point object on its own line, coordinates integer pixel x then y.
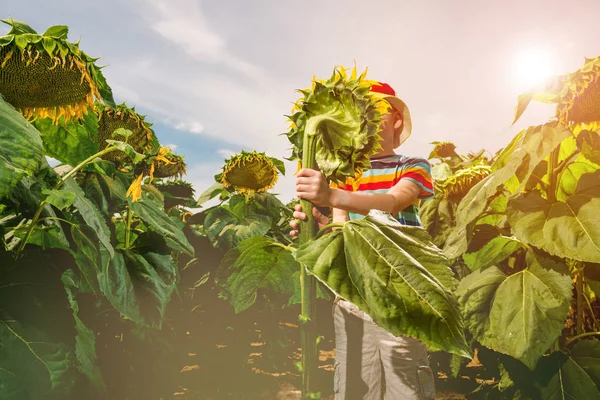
{"type": "Point", "coordinates": [443, 150]}
{"type": "Point", "coordinates": [577, 96]}
{"type": "Point", "coordinates": [250, 172]}
{"type": "Point", "coordinates": [143, 139]}
{"type": "Point", "coordinates": [176, 192]}
{"type": "Point", "coordinates": [174, 166]}
{"type": "Point", "coordinates": [46, 76]}
{"type": "Point", "coordinates": [344, 117]}
{"type": "Point", "coordinates": [459, 183]}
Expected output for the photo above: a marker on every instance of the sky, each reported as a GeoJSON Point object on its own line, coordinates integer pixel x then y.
{"type": "Point", "coordinates": [218, 77]}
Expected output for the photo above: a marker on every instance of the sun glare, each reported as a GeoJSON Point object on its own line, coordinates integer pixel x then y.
{"type": "Point", "coordinates": [533, 66]}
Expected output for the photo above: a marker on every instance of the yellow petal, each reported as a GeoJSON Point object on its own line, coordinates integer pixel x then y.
{"type": "Point", "coordinates": [135, 190]}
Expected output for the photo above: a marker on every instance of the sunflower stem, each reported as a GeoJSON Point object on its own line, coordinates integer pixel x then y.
{"type": "Point", "coordinates": [40, 208]}
{"type": "Point", "coordinates": [128, 228]}
{"type": "Point", "coordinates": [327, 227]}
{"type": "Point", "coordinates": [308, 283]}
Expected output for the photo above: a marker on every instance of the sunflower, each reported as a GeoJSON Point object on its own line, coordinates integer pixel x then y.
{"type": "Point", "coordinates": [443, 150]}
{"type": "Point", "coordinates": [163, 165]}
{"type": "Point", "coordinates": [171, 165]}
{"type": "Point", "coordinates": [344, 118]}
{"type": "Point", "coordinates": [458, 184]}
{"type": "Point", "coordinates": [46, 76]}
{"type": "Point", "coordinates": [143, 138]}
{"type": "Point", "coordinates": [249, 172]}
{"type": "Point", "coordinates": [176, 192]}
{"type": "Point", "coordinates": [576, 95]}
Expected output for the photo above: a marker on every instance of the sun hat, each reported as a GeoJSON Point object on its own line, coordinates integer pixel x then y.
{"type": "Point", "coordinates": [386, 92]}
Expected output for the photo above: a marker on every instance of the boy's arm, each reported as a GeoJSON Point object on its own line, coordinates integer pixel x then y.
{"type": "Point", "coordinates": [340, 215]}
{"type": "Point", "coordinates": [312, 185]}
{"type": "Point", "coordinates": [399, 197]}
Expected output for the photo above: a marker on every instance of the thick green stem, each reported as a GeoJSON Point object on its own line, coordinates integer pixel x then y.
{"type": "Point", "coordinates": [327, 227]}
{"type": "Point", "coordinates": [553, 174]}
{"type": "Point", "coordinates": [40, 208]}
{"type": "Point", "coordinates": [308, 283]}
{"type": "Point", "coordinates": [574, 338]}
{"type": "Point", "coordinates": [579, 293]}
{"type": "Point", "coordinates": [128, 228]}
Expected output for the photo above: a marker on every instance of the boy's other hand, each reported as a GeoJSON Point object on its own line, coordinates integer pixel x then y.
{"type": "Point", "coordinates": [311, 185]}
{"type": "Point", "coordinates": [321, 219]}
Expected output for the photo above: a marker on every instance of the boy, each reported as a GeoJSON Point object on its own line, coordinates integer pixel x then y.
{"type": "Point", "coordinates": [369, 359]}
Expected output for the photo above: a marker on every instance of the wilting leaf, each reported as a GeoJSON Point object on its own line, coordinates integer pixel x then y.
{"type": "Point", "coordinates": [21, 151]}
{"type": "Point", "coordinates": [396, 275]}
{"type": "Point", "coordinates": [565, 228]}
{"type": "Point", "coordinates": [156, 219]}
{"type": "Point", "coordinates": [90, 214]}
{"type": "Point", "coordinates": [210, 193]}
{"type": "Point", "coordinates": [254, 265]}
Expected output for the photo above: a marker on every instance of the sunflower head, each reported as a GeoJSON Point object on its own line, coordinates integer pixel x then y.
{"type": "Point", "coordinates": [443, 150]}
{"type": "Point", "coordinates": [250, 172]}
{"type": "Point", "coordinates": [576, 95]}
{"type": "Point", "coordinates": [46, 76]}
{"type": "Point", "coordinates": [143, 139]}
{"type": "Point", "coordinates": [459, 183]}
{"type": "Point", "coordinates": [345, 119]}
{"type": "Point", "coordinates": [169, 165]}
{"type": "Point", "coordinates": [176, 192]}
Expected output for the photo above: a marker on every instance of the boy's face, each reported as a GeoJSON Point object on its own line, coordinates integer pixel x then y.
{"type": "Point", "coordinates": [390, 124]}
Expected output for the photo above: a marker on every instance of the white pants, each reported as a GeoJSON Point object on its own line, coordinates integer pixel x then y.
{"type": "Point", "coordinates": [371, 361]}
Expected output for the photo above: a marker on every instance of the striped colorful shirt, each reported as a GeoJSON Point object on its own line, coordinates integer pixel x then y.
{"type": "Point", "coordinates": [385, 172]}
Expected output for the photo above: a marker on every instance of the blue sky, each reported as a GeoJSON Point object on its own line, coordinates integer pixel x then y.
{"type": "Point", "coordinates": [216, 77]}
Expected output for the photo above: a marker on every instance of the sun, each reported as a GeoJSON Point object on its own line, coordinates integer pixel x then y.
{"type": "Point", "coordinates": [533, 66]}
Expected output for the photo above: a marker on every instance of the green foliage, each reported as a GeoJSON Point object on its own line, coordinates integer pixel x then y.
{"type": "Point", "coordinates": [396, 275]}
{"type": "Point", "coordinates": [256, 264]}
{"type": "Point", "coordinates": [21, 151]}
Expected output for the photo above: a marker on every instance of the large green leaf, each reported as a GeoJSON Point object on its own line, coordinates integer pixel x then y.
{"type": "Point", "coordinates": [573, 376]}
{"type": "Point", "coordinates": [228, 225]}
{"type": "Point", "coordinates": [520, 158]}
{"type": "Point", "coordinates": [139, 285]}
{"type": "Point", "coordinates": [90, 214]}
{"type": "Point", "coordinates": [69, 142]}
{"type": "Point", "coordinates": [437, 218]}
{"type": "Point", "coordinates": [493, 252]}
{"type": "Point", "coordinates": [565, 228]}
{"type": "Point", "coordinates": [475, 294]}
{"type": "Point", "coordinates": [85, 341]}
{"type": "Point", "coordinates": [159, 221]}
{"type": "Point", "coordinates": [529, 309]}
{"type": "Point", "coordinates": [21, 152]}
{"type": "Point", "coordinates": [396, 275]}
{"type": "Point", "coordinates": [30, 368]}
{"type": "Point", "coordinates": [256, 264]}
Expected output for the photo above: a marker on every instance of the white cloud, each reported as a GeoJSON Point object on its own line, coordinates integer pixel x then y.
{"type": "Point", "coordinates": [183, 23]}
{"type": "Point", "coordinates": [189, 126]}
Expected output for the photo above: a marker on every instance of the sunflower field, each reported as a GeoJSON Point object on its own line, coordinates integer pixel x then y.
{"type": "Point", "coordinates": [120, 280]}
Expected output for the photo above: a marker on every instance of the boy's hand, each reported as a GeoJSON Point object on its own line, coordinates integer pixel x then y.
{"type": "Point", "coordinates": [321, 219]}
{"type": "Point", "coordinates": [311, 185]}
